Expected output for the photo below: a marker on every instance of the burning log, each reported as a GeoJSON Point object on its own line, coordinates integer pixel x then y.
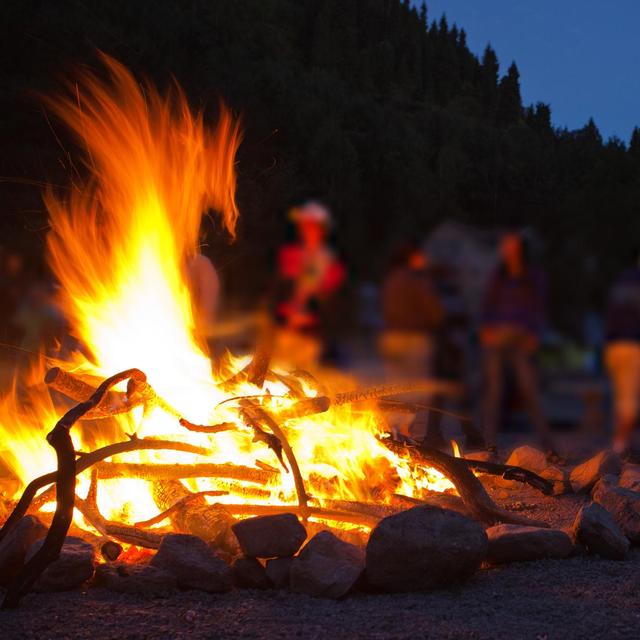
{"type": "Point", "coordinates": [153, 472]}
{"type": "Point", "coordinates": [255, 417]}
{"type": "Point", "coordinates": [311, 381]}
{"type": "Point", "coordinates": [201, 428]}
{"type": "Point", "coordinates": [190, 513]}
{"type": "Point", "coordinates": [86, 460]}
{"type": "Point", "coordinates": [259, 365]}
{"type": "Point", "coordinates": [182, 502]}
{"type": "Point", "coordinates": [139, 393]}
{"type": "Point", "coordinates": [438, 387]}
{"type": "Point", "coordinates": [475, 498]}
{"type": "Point", "coordinates": [60, 439]}
{"type": "Point", "coordinates": [303, 408]}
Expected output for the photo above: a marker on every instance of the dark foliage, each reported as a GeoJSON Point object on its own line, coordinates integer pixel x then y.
{"type": "Point", "coordinates": [369, 103]}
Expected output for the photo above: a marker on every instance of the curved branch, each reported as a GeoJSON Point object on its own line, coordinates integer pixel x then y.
{"type": "Point", "coordinates": [470, 489]}
{"type": "Point", "coordinates": [60, 439]}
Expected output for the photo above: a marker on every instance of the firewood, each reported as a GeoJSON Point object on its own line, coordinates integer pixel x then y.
{"type": "Point", "coordinates": [254, 416]}
{"type": "Point", "coordinates": [86, 460]}
{"type": "Point", "coordinates": [259, 365]}
{"type": "Point", "coordinates": [439, 387]}
{"type": "Point", "coordinates": [190, 513]}
{"type": "Point", "coordinates": [182, 502]}
{"type": "Point", "coordinates": [60, 439]}
{"type": "Point", "coordinates": [303, 408]}
{"type": "Point", "coordinates": [476, 499]}
{"type": "Point", "coordinates": [214, 428]}
{"type": "Point", "coordinates": [166, 471]}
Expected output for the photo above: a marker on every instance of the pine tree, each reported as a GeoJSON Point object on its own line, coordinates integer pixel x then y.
{"type": "Point", "coordinates": [634, 143]}
{"type": "Point", "coordinates": [509, 109]}
{"type": "Point", "coordinates": [489, 80]}
{"type": "Point", "coordinates": [538, 117]}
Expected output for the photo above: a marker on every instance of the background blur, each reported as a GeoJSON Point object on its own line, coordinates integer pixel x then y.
{"type": "Point", "coordinates": [377, 106]}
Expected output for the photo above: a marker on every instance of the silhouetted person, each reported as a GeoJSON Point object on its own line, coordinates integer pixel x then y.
{"type": "Point", "coordinates": [309, 275]}
{"type": "Point", "coordinates": [412, 314]}
{"type": "Point", "coordinates": [622, 355]}
{"type": "Point", "coordinates": [513, 315]}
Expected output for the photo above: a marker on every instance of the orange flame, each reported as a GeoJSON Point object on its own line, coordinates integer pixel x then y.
{"type": "Point", "coordinates": [120, 245]}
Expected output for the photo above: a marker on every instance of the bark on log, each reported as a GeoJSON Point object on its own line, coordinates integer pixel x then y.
{"type": "Point", "coordinates": [439, 387]}
{"type": "Point", "coordinates": [162, 471]}
{"type": "Point", "coordinates": [60, 439]}
{"type": "Point", "coordinates": [190, 513]}
{"type": "Point", "coordinates": [475, 498]}
{"type": "Point", "coordinates": [303, 408]}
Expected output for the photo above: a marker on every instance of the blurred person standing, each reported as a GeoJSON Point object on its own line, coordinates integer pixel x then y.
{"type": "Point", "coordinates": [622, 355]}
{"type": "Point", "coordinates": [512, 319]}
{"type": "Point", "coordinates": [309, 276]}
{"type": "Point", "coordinates": [412, 314]}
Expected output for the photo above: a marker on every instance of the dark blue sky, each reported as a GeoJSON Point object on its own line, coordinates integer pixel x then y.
{"type": "Point", "coordinates": [581, 56]}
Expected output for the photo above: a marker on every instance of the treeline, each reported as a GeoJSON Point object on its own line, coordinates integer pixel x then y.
{"type": "Point", "coordinates": [375, 105]}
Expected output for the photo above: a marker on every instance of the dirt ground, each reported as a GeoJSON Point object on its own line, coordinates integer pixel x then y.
{"type": "Point", "coordinates": [580, 597]}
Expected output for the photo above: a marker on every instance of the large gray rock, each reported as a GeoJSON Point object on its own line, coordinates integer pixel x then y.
{"type": "Point", "coordinates": [13, 549]}
{"type": "Point", "coordinates": [278, 570]}
{"type": "Point", "coordinates": [248, 573]}
{"type": "Point", "coordinates": [595, 528]}
{"type": "Point", "coordinates": [193, 563]}
{"type": "Point", "coordinates": [74, 566]}
{"type": "Point", "coordinates": [622, 504]}
{"type": "Point", "coordinates": [424, 548]}
{"type": "Point", "coordinates": [270, 536]}
{"type": "Point", "coordinates": [135, 578]}
{"type": "Point", "coordinates": [516, 543]}
{"type": "Point", "coordinates": [630, 478]}
{"type": "Point", "coordinates": [585, 475]}
{"type": "Point", "coordinates": [326, 567]}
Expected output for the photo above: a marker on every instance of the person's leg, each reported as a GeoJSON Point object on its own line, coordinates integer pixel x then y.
{"type": "Point", "coordinates": [527, 379]}
{"type": "Point", "coordinates": [493, 385]}
{"type": "Point", "coordinates": [623, 364]}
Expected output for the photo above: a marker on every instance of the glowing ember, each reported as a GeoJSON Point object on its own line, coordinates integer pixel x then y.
{"type": "Point", "coordinates": [120, 246]}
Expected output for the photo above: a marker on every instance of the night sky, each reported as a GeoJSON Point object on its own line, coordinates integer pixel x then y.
{"type": "Point", "coordinates": [581, 56]}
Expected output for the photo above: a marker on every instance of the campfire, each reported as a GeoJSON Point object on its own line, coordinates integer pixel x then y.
{"type": "Point", "coordinates": [150, 437]}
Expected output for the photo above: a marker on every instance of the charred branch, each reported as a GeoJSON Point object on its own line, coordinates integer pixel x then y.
{"type": "Point", "coordinates": [477, 501]}
{"type": "Point", "coordinates": [255, 417]}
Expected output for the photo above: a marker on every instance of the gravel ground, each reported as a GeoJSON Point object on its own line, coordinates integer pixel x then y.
{"type": "Point", "coordinates": [564, 599]}
{"type": "Point", "coordinates": [577, 598]}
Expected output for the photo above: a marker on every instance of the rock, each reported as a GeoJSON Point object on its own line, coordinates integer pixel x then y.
{"type": "Point", "coordinates": [424, 548]}
{"type": "Point", "coordinates": [630, 478]}
{"type": "Point", "coordinates": [270, 536]}
{"type": "Point", "coordinates": [278, 571]}
{"type": "Point", "coordinates": [623, 504]}
{"type": "Point", "coordinates": [135, 578]}
{"type": "Point", "coordinates": [585, 475]}
{"type": "Point", "coordinates": [516, 543]}
{"type": "Point", "coordinates": [528, 458]}
{"type": "Point", "coordinates": [327, 567]}
{"type": "Point", "coordinates": [535, 460]}
{"type": "Point", "coordinates": [595, 528]}
{"type": "Point", "coordinates": [248, 573]}
{"type": "Point", "coordinates": [193, 563]}
{"type": "Point", "coordinates": [13, 549]}
{"type": "Point", "coordinates": [74, 566]}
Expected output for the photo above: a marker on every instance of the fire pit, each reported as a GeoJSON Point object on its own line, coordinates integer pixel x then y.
{"type": "Point", "coordinates": [174, 446]}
